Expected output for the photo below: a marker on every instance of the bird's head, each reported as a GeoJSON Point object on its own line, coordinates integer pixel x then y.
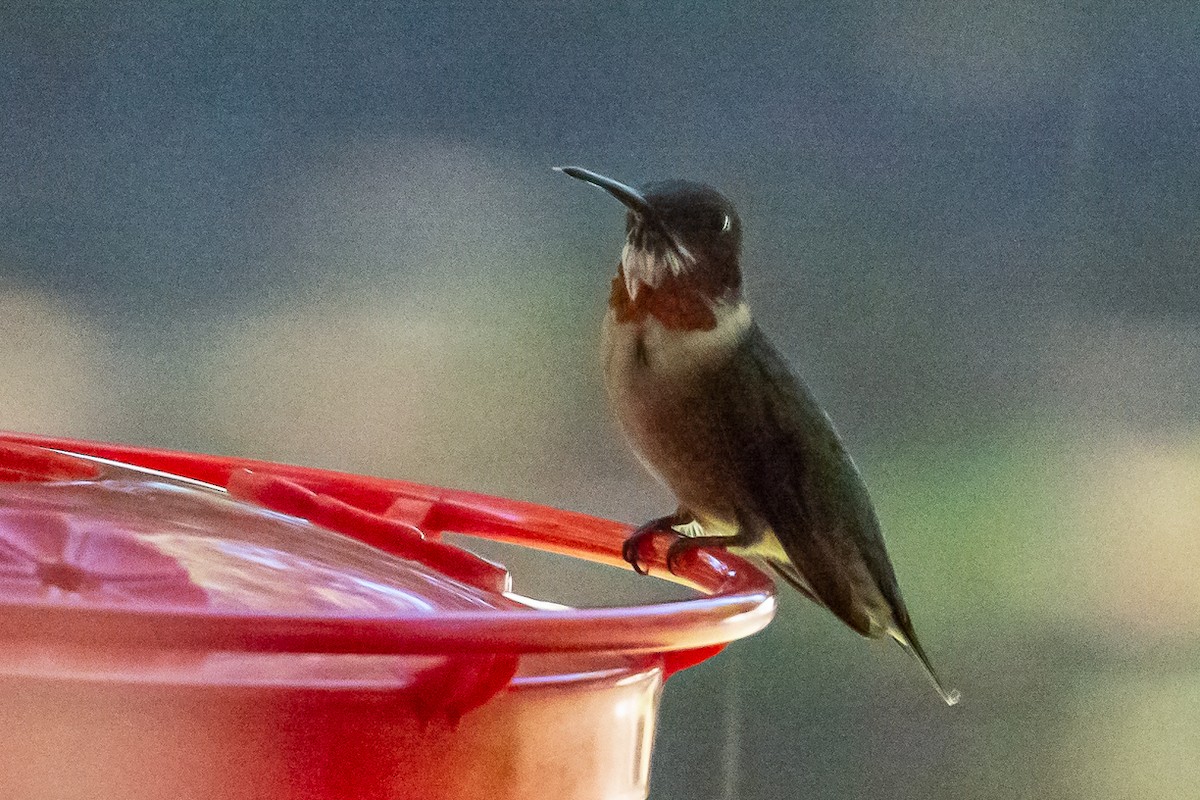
{"type": "Point", "coordinates": [679, 236]}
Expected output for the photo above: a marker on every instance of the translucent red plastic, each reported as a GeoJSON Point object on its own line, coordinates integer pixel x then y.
{"type": "Point", "coordinates": [382, 511]}
{"type": "Point", "coordinates": [189, 626]}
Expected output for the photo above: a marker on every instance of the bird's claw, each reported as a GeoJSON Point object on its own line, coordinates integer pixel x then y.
{"type": "Point", "coordinates": [631, 550]}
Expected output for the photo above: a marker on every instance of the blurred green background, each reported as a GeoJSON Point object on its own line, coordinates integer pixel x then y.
{"type": "Point", "coordinates": [329, 234]}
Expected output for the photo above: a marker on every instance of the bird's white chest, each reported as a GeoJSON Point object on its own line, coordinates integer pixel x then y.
{"type": "Point", "coordinates": [642, 352]}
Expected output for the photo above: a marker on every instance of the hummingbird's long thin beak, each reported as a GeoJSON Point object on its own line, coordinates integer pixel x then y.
{"type": "Point", "coordinates": [630, 197]}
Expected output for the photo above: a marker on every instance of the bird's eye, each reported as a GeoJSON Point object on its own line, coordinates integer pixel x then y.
{"type": "Point", "coordinates": [727, 224]}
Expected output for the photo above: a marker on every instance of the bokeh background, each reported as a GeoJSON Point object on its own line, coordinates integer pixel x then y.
{"type": "Point", "coordinates": [328, 234]}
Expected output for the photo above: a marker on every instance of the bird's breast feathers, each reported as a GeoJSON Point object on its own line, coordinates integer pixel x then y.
{"type": "Point", "coordinates": [645, 345]}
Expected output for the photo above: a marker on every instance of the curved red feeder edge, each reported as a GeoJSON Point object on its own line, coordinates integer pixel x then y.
{"type": "Point", "coordinates": [392, 514]}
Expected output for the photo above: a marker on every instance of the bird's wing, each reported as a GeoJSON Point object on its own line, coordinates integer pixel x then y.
{"type": "Point", "coordinates": [794, 477]}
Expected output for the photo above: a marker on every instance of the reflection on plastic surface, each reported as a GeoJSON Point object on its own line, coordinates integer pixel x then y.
{"type": "Point", "coordinates": [154, 620]}
{"type": "Point", "coordinates": [134, 540]}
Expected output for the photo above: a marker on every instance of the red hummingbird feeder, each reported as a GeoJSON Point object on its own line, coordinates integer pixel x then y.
{"type": "Point", "coordinates": [189, 626]}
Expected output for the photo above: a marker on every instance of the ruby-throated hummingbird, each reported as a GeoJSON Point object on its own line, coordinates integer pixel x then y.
{"type": "Point", "coordinates": [713, 411]}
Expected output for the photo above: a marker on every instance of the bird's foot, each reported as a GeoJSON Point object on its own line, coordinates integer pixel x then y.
{"type": "Point", "coordinates": [631, 550]}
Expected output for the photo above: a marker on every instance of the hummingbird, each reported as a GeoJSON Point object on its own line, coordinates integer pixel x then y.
{"type": "Point", "coordinates": [713, 411]}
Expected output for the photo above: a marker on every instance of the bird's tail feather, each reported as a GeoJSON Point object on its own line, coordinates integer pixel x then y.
{"type": "Point", "coordinates": [901, 629]}
{"type": "Point", "coordinates": [907, 639]}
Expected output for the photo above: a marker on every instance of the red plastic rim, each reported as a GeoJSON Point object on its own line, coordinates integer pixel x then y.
{"type": "Point", "coordinates": [740, 599]}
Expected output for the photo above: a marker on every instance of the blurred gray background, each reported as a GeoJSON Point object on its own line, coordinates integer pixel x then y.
{"type": "Point", "coordinates": [329, 234]}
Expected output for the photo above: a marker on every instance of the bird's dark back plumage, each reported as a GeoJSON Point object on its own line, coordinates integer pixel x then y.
{"type": "Point", "coordinates": [795, 478]}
